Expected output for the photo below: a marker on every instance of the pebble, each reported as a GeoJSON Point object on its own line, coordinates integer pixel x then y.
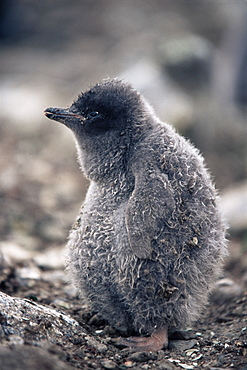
{"type": "Point", "coordinates": [16, 340]}
{"type": "Point", "coordinates": [182, 345]}
{"type": "Point", "coordinates": [109, 364]}
{"type": "Point", "coordinates": [96, 344]}
{"type": "Point", "coordinates": [167, 365]}
{"type": "Point", "coordinates": [62, 303]}
{"type": "Point", "coordinates": [129, 363]}
{"type": "Point", "coordinates": [29, 272]}
{"type": "Point", "coordinates": [143, 356]}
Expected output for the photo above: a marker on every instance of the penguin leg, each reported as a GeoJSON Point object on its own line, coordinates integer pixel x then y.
{"type": "Point", "coordinates": [157, 341]}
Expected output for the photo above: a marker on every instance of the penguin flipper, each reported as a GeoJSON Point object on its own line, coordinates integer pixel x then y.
{"type": "Point", "coordinates": [151, 202]}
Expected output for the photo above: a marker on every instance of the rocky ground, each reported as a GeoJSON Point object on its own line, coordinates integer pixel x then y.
{"type": "Point", "coordinates": [43, 323]}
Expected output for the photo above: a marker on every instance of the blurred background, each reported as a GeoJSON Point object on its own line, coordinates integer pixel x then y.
{"type": "Point", "coordinates": [188, 58]}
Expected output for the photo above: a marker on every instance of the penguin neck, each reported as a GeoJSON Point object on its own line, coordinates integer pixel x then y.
{"type": "Point", "coordinates": [103, 163]}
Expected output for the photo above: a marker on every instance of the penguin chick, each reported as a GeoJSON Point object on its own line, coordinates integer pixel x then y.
{"type": "Point", "coordinates": [149, 241]}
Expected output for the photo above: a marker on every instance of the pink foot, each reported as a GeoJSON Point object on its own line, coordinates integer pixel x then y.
{"type": "Point", "coordinates": [157, 341]}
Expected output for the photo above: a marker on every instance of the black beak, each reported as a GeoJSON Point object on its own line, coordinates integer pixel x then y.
{"type": "Point", "coordinates": [63, 115]}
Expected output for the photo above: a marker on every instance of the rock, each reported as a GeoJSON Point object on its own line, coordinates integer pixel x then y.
{"type": "Point", "coordinates": [129, 363]}
{"type": "Point", "coordinates": [181, 345]}
{"type": "Point", "coordinates": [14, 252]}
{"type": "Point", "coordinates": [234, 206]}
{"type": "Point", "coordinates": [29, 358]}
{"type": "Point", "coordinates": [166, 365]}
{"type": "Point", "coordinates": [61, 303]}
{"type": "Point", "coordinates": [5, 268]}
{"type": "Point", "coordinates": [188, 60]}
{"type": "Point", "coordinates": [109, 364]}
{"type": "Point", "coordinates": [53, 258]}
{"type": "Point", "coordinates": [225, 290]}
{"type": "Point", "coordinates": [16, 340]}
{"type": "Point", "coordinates": [100, 347]}
{"type": "Point", "coordinates": [31, 321]}
{"type": "Point", "coordinates": [28, 272]}
{"type": "Point", "coordinates": [171, 104]}
{"type": "Point", "coordinates": [143, 356]}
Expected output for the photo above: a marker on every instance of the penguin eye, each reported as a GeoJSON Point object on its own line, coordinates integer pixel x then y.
{"type": "Point", "coordinates": [93, 114]}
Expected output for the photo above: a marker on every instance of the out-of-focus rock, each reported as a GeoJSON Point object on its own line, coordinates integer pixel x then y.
{"type": "Point", "coordinates": [5, 268]}
{"type": "Point", "coordinates": [53, 258]}
{"type": "Point", "coordinates": [28, 272]}
{"type": "Point", "coordinates": [187, 60]}
{"type": "Point", "coordinates": [109, 364]}
{"type": "Point", "coordinates": [225, 290]}
{"type": "Point", "coordinates": [170, 103]}
{"type": "Point", "coordinates": [14, 252]}
{"type": "Point", "coordinates": [167, 365]}
{"type": "Point", "coordinates": [234, 206]}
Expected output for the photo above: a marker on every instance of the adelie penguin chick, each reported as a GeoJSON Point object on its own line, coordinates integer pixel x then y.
{"type": "Point", "coordinates": [149, 241]}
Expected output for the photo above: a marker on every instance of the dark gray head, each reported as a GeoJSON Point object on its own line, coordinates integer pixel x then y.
{"type": "Point", "coordinates": [111, 105]}
{"type": "Point", "coordinates": [105, 120]}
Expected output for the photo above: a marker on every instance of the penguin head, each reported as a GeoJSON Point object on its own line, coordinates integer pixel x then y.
{"type": "Point", "coordinates": [107, 121]}
{"type": "Point", "coordinates": [107, 106]}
